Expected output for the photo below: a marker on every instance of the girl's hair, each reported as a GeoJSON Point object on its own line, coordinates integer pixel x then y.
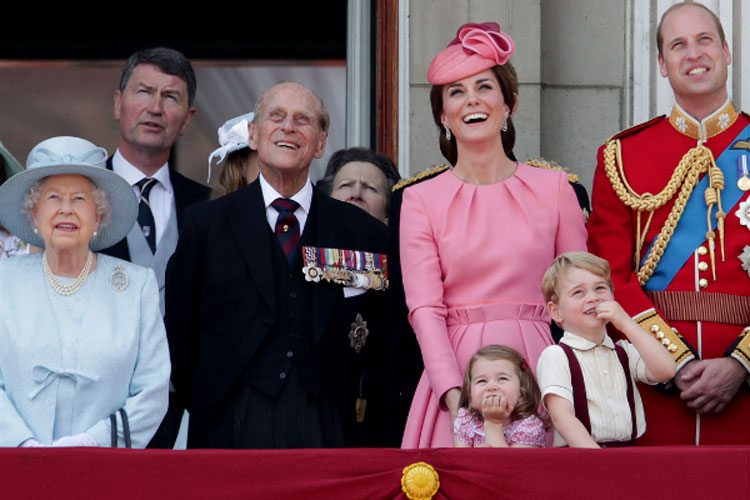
{"type": "Point", "coordinates": [233, 176]}
{"type": "Point", "coordinates": [531, 396]}
{"type": "Point", "coordinates": [508, 80]}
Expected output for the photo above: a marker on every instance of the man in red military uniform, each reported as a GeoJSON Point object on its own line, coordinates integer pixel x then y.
{"type": "Point", "coordinates": [672, 216]}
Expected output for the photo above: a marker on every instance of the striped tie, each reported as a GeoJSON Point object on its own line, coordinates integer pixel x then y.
{"type": "Point", "coordinates": [287, 226]}
{"type": "Point", "coordinates": [145, 217]}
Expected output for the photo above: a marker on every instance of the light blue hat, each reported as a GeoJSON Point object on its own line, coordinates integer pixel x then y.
{"type": "Point", "coordinates": [68, 155]}
{"type": "Point", "coordinates": [233, 136]}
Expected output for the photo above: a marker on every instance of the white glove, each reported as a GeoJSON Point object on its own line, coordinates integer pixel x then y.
{"type": "Point", "coordinates": [31, 443]}
{"type": "Point", "coordinates": [81, 439]}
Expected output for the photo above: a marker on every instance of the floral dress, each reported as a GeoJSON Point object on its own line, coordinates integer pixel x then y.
{"type": "Point", "coordinates": [469, 428]}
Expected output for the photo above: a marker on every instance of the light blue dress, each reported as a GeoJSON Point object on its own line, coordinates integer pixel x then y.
{"type": "Point", "coordinates": [68, 362]}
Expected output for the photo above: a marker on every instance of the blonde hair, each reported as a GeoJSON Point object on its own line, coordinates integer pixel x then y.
{"type": "Point", "coordinates": [233, 176]}
{"type": "Point", "coordinates": [581, 260]}
{"type": "Point", "coordinates": [530, 397]}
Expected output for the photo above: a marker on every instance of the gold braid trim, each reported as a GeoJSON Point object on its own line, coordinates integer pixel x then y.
{"type": "Point", "coordinates": [685, 177]}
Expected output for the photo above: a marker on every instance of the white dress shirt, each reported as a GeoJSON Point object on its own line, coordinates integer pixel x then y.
{"type": "Point", "coordinates": [606, 387]}
{"type": "Point", "coordinates": [161, 198]}
{"type": "Point", "coordinates": [303, 197]}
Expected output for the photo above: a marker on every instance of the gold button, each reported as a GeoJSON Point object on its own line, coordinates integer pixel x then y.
{"type": "Point", "coordinates": [702, 250]}
{"type": "Point", "coordinates": [672, 348]}
{"type": "Point", "coordinates": [702, 266]}
{"type": "Point", "coordinates": [654, 328]}
{"type": "Point", "coordinates": [659, 335]}
{"type": "Point", "coordinates": [666, 342]}
{"type": "Point", "coordinates": [703, 282]}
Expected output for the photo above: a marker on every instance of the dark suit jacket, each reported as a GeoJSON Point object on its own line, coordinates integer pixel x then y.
{"type": "Point", "coordinates": [186, 192]}
{"type": "Point", "coordinates": [220, 302]}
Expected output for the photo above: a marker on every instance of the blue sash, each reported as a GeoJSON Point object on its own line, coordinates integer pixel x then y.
{"type": "Point", "coordinates": [691, 228]}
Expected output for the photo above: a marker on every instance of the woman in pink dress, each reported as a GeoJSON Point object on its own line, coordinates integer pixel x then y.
{"type": "Point", "coordinates": [476, 239]}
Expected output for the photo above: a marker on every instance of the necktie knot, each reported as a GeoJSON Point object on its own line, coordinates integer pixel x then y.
{"type": "Point", "coordinates": [287, 225]}
{"type": "Point", "coordinates": [146, 185]}
{"type": "Point", "coordinates": [284, 205]}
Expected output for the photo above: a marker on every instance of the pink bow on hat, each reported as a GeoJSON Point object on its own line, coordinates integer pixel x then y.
{"type": "Point", "coordinates": [487, 40]}
{"type": "Point", "coordinates": [477, 47]}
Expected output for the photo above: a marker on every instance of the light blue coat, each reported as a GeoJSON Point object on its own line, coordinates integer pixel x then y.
{"type": "Point", "coordinates": [59, 377]}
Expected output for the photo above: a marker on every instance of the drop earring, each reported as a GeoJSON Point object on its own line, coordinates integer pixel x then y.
{"type": "Point", "coordinates": [505, 124]}
{"type": "Point", "coordinates": [447, 132]}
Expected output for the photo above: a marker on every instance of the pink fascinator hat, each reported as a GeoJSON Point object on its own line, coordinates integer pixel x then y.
{"type": "Point", "coordinates": [477, 47]}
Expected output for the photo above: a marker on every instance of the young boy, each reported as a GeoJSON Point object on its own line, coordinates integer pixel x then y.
{"type": "Point", "coordinates": [588, 381]}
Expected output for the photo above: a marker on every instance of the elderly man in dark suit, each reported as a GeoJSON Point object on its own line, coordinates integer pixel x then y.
{"type": "Point", "coordinates": [154, 105]}
{"type": "Point", "coordinates": [262, 353]}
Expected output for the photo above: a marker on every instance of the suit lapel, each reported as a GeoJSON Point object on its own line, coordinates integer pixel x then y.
{"type": "Point", "coordinates": [247, 219]}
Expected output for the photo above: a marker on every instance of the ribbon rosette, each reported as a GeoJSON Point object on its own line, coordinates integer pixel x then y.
{"type": "Point", "coordinates": [487, 40]}
{"type": "Point", "coordinates": [229, 139]}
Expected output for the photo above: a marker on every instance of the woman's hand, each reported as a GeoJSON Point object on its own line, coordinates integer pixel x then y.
{"type": "Point", "coordinates": [81, 439]}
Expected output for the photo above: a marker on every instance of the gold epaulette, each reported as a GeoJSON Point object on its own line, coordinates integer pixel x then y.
{"type": "Point", "coordinates": [421, 176]}
{"type": "Point", "coordinates": [635, 128]}
{"type": "Point", "coordinates": [741, 349]}
{"type": "Point", "coordinates": [654, 324]}
{"type": "Point", "coordinates": [553, 165]}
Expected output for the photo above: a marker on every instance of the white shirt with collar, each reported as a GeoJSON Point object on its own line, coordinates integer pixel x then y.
{"type": "Point", "coordinates": [303, 197]}
{"type": "Point", "coordinates": [161, 198]}
{"type": "Point", "coordinates": [606, 387]}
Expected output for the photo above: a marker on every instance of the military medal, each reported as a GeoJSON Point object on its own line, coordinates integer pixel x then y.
{"type": "Point", "coordinates": [358, 334]}
{"type": "Point", "coordinates": [352, 268]}
{"type": "Point", "coordinates": [745, 259]}
{"type": "Point", "coordinates": [119, 278]}
{"type": "Point", "coordinates": [743, 213]}
{"type": "Point", "coordinates": [744, 181]}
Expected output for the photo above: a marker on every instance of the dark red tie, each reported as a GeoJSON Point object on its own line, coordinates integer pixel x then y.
{"type": "Point", "coordinates": [287, 225]}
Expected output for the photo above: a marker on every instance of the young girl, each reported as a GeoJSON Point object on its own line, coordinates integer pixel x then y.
{"type": "Point", "coordinates": [499, 401]}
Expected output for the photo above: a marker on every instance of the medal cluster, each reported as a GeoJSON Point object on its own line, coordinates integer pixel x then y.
{"type": "Point", "coordinates": [352, 268]}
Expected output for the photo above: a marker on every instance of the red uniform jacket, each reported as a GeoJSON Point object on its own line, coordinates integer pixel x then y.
{"type": "Point", "coordinates": [650, 154]}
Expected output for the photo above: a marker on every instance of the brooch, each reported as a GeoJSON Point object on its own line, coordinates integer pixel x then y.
{"type": "Point", "coordinates": [353, 268]}
{"type": "Point", "coordinates": [743, 213]}
{"type": "Point", "coordinates": [119, 278]}
{"type": "Point", "coordinates": [745, 259]}
{"type": "Point", "coordinates": [358, 334]}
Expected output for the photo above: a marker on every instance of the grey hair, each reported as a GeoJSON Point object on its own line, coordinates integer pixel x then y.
{"type": "Point", "coordinates": [101, 199]}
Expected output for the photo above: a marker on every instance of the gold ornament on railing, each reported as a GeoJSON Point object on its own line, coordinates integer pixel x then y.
{"type": "Point", "coordinates": [420, 481]}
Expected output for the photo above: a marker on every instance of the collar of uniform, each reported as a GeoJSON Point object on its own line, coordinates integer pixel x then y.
{"type": "Point", "coordinates": [584, 344]}
{"type": "Point", "coordinates": [712, 125]}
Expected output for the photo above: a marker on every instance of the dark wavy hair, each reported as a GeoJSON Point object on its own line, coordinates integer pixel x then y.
{"type": "Point", "coordinates": [508, 80]}
{"type": "Point", "coordinates": [531, 395]}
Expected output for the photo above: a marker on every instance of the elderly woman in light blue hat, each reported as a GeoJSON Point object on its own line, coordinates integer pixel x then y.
{"type": "Point", "coordinates": [241, 166]}
{"type": "Point", "coordinates": [83, 351]}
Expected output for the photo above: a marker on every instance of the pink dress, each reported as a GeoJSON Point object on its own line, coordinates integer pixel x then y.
{"type": "Point", "coordinates": [473, 258]}
{"type": "Point", "coordinates": [469, 428]}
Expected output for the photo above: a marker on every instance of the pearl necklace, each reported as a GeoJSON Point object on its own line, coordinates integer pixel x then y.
{"type": "Point", "coordinates": [73, 287]}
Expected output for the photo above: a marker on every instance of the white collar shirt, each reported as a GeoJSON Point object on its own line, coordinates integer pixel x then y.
{"type": "Point", "coordinates": [303, 197]}
{"type": "Point", "coordinates": [161, 197]}
{"type": "Point", "coordinates": [606, 386]}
